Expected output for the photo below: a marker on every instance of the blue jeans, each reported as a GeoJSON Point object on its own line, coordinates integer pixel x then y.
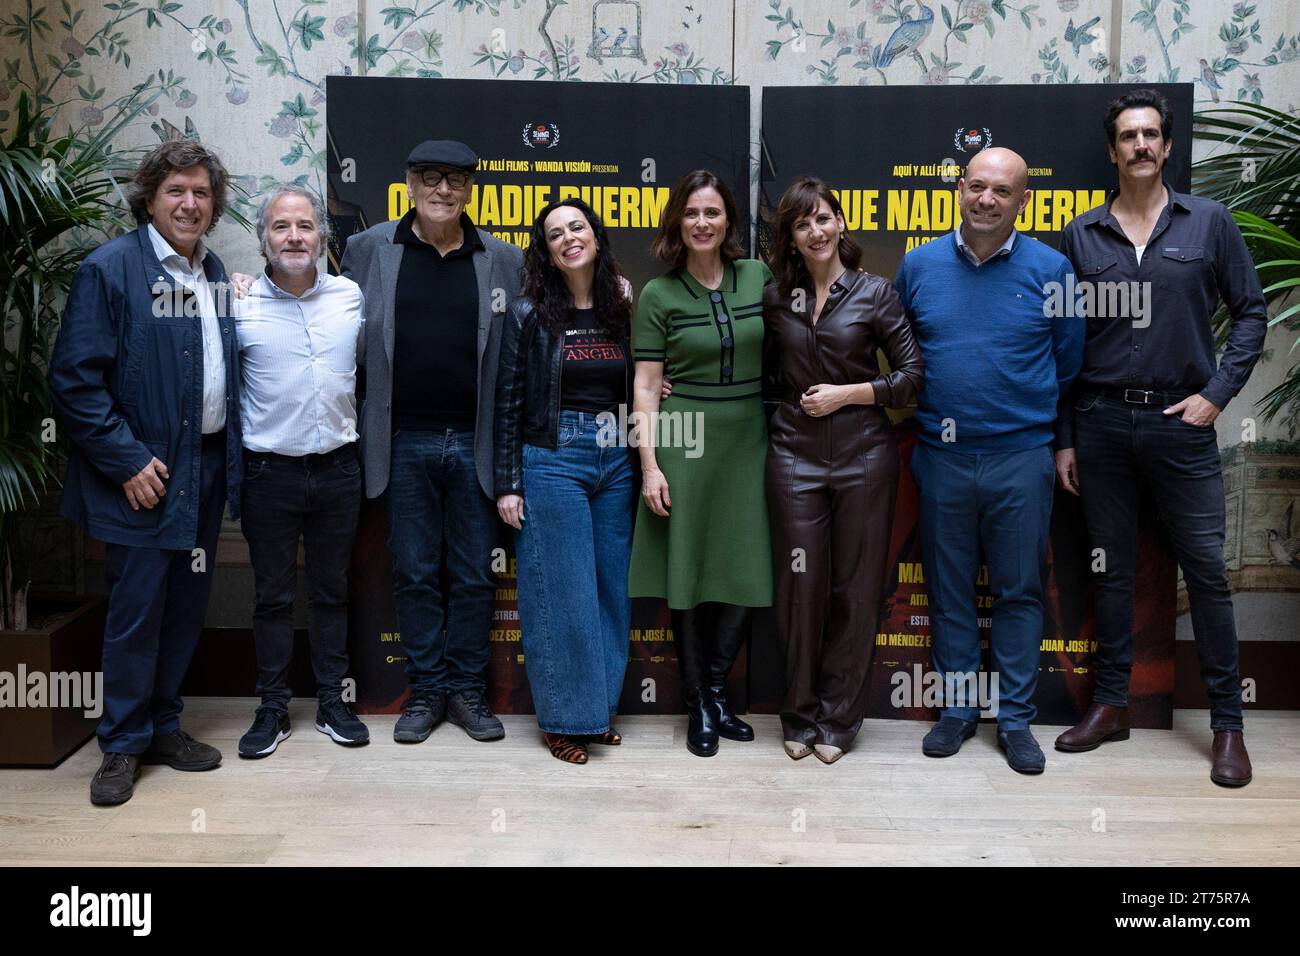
{"type": "Point", "coordinates": [1000, 504]}
{"type": "Point", "coordinates": [1120, 447]}
{"type": "Point", "coordinates": [434, 499]}
{"type": "Point", "coordinates": [572, 559]}
{"type": "Point", "coordinates": [157, 600]}
{"type": "Point", "coordinates": [314, 499]}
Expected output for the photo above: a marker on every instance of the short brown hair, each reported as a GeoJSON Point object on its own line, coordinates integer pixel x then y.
{"type": "Point", "coordinates": [668, 247]}
{"type": "Point", "coordinates": [799, 200]}
{"type": "Point", "coordinates": [166, 159]}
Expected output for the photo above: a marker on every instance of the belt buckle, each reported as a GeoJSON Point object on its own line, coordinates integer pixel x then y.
{"type": "Point", "coordinates": [1146, 396]}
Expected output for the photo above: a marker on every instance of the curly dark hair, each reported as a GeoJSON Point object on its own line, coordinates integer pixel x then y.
{"type": "Point", "coordinates": [668, 247]}
{"type": "Point", "coordinates": [798, 201]}
{"type": "Point", "coordinates": [165, 160]}
{"type": "Point", "coordinates": [544, 283]}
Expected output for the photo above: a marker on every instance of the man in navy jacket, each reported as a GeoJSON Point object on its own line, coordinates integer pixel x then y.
{"type": "Point", "coordinates": [145, 379]}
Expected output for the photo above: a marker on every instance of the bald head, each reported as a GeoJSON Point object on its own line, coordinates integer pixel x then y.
{"type": "Point", "coordinates": [1000, 163]}
{"type": "Point", "coordinates": [993, 192]}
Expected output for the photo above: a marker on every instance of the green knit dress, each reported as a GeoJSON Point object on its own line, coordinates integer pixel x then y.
{"type": "Point", "coordinates": [715, 544]}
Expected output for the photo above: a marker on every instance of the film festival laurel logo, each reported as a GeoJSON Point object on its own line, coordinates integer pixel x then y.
{"type": "Point", "coordinates": [541, 135]}
{"type": "Point", "coordinates": [971, 139]}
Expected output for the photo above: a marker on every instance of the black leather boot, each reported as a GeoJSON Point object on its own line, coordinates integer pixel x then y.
{"type": "Point", "coordinates": [701, 727]}
{"type": "Point", "coordinates": [730, 634]}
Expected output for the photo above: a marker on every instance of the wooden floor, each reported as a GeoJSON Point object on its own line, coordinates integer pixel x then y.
{"type": "Point", "coordinates": [451, 800]}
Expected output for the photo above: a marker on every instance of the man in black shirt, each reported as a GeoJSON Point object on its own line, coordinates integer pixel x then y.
{"type": "Point", "coordinates": [436, 288]}
{"type": "Point", "coordinates": [1144, 410]}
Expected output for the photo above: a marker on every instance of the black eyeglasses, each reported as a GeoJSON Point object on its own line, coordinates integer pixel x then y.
{"type": "Point", "coordinates": [431, 177]}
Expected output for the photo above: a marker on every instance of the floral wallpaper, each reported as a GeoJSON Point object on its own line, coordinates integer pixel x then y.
{"type": "Point", "coordinates": [248, 76]}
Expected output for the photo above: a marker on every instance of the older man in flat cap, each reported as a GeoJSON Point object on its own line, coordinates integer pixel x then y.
{"type": "Point", "coordinates": [435, 289]}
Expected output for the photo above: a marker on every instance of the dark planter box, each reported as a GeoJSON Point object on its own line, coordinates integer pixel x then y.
{"type": "Point", "coordinates": [42, 736]}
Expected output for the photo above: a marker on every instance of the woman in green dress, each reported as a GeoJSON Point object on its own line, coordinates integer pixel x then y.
{"type": "Point", "coordinates": [701, 540]}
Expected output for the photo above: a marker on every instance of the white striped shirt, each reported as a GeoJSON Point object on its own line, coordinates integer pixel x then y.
{"type": "Point", "coordinates": [298, 356]}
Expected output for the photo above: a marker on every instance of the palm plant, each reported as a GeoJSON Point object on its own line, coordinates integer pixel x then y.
{"type": "Point", "coordinates": [56, 203]}
{"type": "Point", "coordinates": [1258, 178]}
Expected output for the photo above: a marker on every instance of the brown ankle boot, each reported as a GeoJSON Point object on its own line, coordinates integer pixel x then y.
{"type": "Point", "coordinates": [1231, 762]}
{"type": "Point", "coordinates": [1101, 723]}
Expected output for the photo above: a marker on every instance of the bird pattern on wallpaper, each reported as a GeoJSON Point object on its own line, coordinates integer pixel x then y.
{"type": "Point", "coordinates": [907, 36]}
{"type": "Point", "coordinates": [1078, 36]}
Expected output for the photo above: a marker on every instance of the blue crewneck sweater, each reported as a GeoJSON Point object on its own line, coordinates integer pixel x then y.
{"type": "Point", "coordinates": [996, 366]}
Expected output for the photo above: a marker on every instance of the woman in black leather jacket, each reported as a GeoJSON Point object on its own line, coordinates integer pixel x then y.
{"type": "Point", "coordinates": [563, 474]}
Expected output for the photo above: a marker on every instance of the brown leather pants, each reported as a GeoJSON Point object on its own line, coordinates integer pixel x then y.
{"type": "Point", "coordinates": [831, 486]}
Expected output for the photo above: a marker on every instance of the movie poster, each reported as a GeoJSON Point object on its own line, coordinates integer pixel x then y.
{"type": "Point", "coordinates": [618, 146]}
{"type": "Point", "coordinates": [894, 155]}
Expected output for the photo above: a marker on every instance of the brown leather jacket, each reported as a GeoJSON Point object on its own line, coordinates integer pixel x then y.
{"type": "Point", "coordinates": [862, 314]}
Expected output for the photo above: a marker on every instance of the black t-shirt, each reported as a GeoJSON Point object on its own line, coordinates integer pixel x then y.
{"type": "Point", "coordinates": [594, 377]}
{"type": "Point", "coordinates": [435, 334]}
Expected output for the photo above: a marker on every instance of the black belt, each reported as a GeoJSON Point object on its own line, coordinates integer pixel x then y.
{"type": "Point", "coordinates": [346, 452]}
{"type": "Point", "coordinates": [1133, 395]}
{"type": "Point", "coordinates": [211, 439]}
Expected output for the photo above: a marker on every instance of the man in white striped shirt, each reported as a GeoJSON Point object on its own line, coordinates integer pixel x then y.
{"type": "Point", "coordinates": [300, 335]}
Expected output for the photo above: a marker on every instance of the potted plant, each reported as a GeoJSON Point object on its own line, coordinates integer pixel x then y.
{"type": "Point", "coordinates": [1258, 178]}
{"type": "Point", "coordinates": [57, 202]}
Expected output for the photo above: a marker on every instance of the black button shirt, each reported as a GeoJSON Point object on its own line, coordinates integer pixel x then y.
{"type": "Point", "coordinates": [1195, 256]}
{"type": "Point", "coordinates": [435, 333]}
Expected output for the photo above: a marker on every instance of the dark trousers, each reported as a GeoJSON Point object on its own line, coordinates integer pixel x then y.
{"type": "Point", "coordinates": [315, 499]}
{"type": "Point", "coordinates": [1120, 447]}
{"type": "Point", "coordinates": [434, 498]}
{"type": "Point", "coordinates": [157, 600]}
{"type": "Point", "coordinates": [1000, 504]}
{"type": "Point", "coordinates": [837, 515]}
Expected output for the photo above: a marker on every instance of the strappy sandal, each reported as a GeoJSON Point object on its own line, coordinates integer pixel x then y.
{"type": "Point", "coordinates": [610, 738]}
{"type": "Point", "coordinates": [566, 748]}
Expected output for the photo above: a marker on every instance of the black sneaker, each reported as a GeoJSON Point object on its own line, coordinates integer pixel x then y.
{"type": "Point", "coordinates": [270, 726]}
{"type": "Point", "coordinates": [180, 751]}
{"type": "Point", "coordinates": [420, 714]}
{"type": "Point", "coordinates": [946, 737]}
{"type": "Point", "coordinates": [469, 709]}
{"type": "Point", "coordinates": [114, 781]}
{"type": "Point", "coordinates": [337, 719]}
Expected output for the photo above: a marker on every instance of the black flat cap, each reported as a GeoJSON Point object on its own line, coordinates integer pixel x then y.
{"type": "Point", "coordinates": [443, 152]}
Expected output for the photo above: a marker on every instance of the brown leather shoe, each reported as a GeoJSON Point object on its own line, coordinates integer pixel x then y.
{"type": "Point", "coordinates": [1101, 723]}
{"type": "Point", "coordinates": [1231, 762]}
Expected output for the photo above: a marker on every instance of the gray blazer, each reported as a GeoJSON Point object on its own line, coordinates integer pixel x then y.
{"type": "Point", "coordinates": [372, 260]}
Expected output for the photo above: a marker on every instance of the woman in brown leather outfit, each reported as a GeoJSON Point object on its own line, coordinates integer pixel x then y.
{"type": "Point", "coordinates": [832, 465]}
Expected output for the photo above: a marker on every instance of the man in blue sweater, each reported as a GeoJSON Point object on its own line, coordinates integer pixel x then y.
{"type": "Point", "coordinates": [999, 360]}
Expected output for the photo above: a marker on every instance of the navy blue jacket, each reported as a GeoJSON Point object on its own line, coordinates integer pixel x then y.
{"type": "Point", "coordinates": [127, 383]}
